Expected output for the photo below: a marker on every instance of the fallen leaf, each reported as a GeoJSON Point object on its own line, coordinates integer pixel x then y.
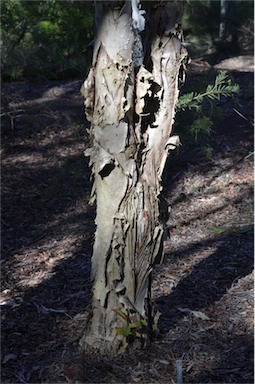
{"type": "Point", "coordinates": [197, 314]}
{"type": "Point", "coordinates": [200, 315]}
{"type": "Point", "coordinates": [165, 362]}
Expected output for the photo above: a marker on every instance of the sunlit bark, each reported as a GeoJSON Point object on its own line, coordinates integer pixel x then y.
{"type": "Point", "coordinates": [130, 96]}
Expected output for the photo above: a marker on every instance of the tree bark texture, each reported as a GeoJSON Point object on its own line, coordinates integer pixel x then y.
{"type": "Point", "coordinates": [130, 97]}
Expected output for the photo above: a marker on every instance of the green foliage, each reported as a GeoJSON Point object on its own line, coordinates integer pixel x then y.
{"type": "Point", "coordinates": [201, 108]}
{"type": "Point", "coordinates": [134, 328]}
{"type": "Point", "coordinates": [207, 153]}
{"type": "Point", "coordinates": [221, 88]}
{"type": "Point", "coordinates": [201, 127]}
{"type": "Point", "coordinates": [202, 19]}
{"type": "Point", "coordinates": [245, 229]}
{"type": "Point", "coordinates": [44, 38]}
{"type": "Point", "coordinates": [48, 38]}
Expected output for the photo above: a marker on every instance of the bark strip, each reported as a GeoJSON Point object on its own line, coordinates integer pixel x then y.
{"type": "Point", "coordinates": [131, 107]}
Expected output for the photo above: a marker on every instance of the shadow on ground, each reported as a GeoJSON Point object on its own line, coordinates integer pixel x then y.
{"type": "Point", "coordinates": [48, 235]}
{"type": "Point", "coordinates": [210, 278]}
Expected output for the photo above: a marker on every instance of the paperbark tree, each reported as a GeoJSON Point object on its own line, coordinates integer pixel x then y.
{"type": "Point", "coordinates": [130, 97]}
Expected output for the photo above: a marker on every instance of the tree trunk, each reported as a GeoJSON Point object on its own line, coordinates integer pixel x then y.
{"type": "Point", "coordinates": [227, 30]}
{"type": "Point", "coordinates": [130, 96]}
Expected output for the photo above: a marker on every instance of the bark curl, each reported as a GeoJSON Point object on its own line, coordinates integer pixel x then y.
{"type": "Point", "coordinates": [132, 112]}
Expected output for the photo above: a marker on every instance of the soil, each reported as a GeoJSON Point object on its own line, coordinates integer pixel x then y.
{"type": "Point", "coordinates": [203, 289]}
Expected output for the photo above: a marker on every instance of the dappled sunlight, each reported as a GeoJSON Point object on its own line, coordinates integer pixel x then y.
{"type": "Point", "coordinates": [211, 200]}
{"type": "Point", "coordinates": [203, 291]}
{"type": "Point", "coordinates": [21, 160]}
{"type": "Point", "coordinates": [48, 232]}
{"type": "Point", "coordinates": [35, 278]}
{"type": "Point", "coordinates": [36, 263]}
{"type": "Point", "coordinates": [204, 288]}
{"type": "Point", "coordinates": [243, 63]}
{"type": "Point", "coordinates": [175, 268]}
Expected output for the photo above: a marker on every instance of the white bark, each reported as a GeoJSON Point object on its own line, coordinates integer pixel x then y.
{"type": "Point", "coordinates": [132, 117]}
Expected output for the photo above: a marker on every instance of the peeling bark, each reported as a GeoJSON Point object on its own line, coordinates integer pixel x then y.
{"type": "Point", "coordinates": [131, 108]}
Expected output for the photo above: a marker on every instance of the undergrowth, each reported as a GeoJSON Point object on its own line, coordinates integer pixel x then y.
{"type": "Point", "coordinates": [199, 110]}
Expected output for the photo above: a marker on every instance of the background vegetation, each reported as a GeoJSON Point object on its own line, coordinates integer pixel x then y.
{"type": "Point", "coordinates": [52, 40]}
{"type": "Point", "coordinates": [45, 39]}
{"type": "Point", "coordinates": [49, 39]}
{"type": "Point", "coordinates": [201, 25]}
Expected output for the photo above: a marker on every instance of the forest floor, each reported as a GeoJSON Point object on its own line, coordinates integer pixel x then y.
{"type": "Point", "coordinates": [203, 289]}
